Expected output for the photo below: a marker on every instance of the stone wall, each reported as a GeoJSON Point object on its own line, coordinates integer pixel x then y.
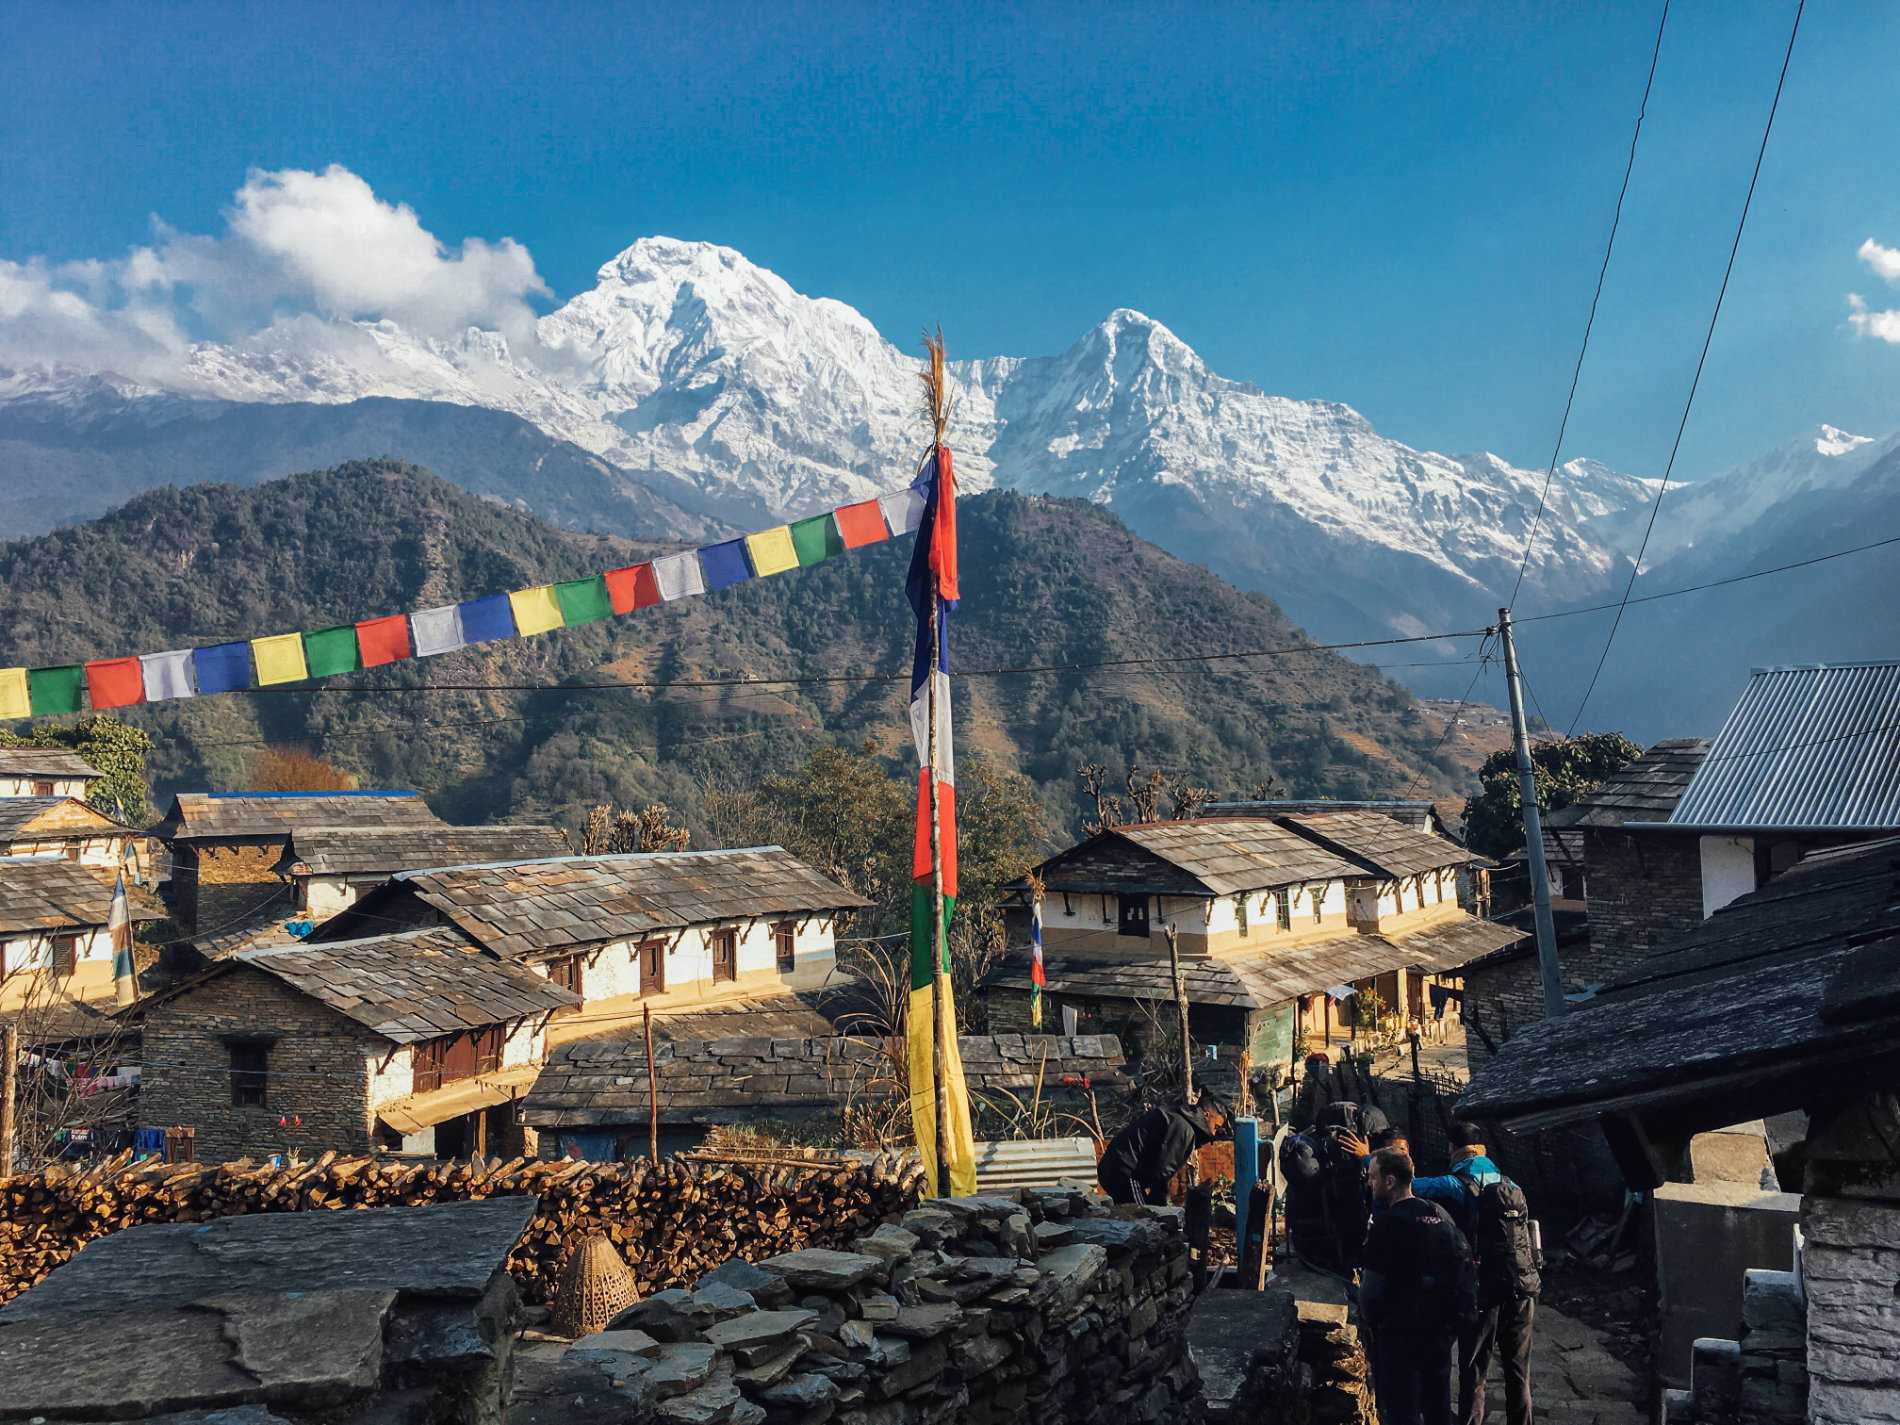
{"type": "Point", "coordinates": [1848, 1265]}
{"type": "Point", "coordinates": [1645, 894]}
{"type": "Point", "coordinates": [318, 1064]}
{"type": "Point", "coordinates": [215, 886]}
{"type": "Point", "coordinates": [1041, 1306]}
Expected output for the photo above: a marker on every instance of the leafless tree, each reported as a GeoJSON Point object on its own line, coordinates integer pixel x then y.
{"type": "Point", "coordinates": [1145, 794]}
{"type": "Point", "coordinates": [615, 834]}
{"type": "Point", "coordinates": [1188, 800]}
{"type": "Point", "coordinates": [1108, 808]}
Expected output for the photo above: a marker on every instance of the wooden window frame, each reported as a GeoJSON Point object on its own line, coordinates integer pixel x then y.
{"type": "Point", "coordinates": [568, 972]}
{"type": "Point", "coordinates": [1240, 914]}
{"type": "Point", "coordinates": [785, 946]}
{"type": "Point", "coordinates": [452, 1058]}
{"type": "Point", "coordinates": [657, 950]}
{"type": "Point", "coordinates": [44, 789]}
{"type": "Point", "coordinates": [1123, 919]}
{"type": "Point", "coordinates": [1318, 898]}
{"type": "Point", "coordinates": [724, 945]}
{"type": "Point", "coordinates": [62, 956]}
{"type": "Point", "coordinates": [1283, 909]}
{"type": "Point", "coordinates": [250, 1073]}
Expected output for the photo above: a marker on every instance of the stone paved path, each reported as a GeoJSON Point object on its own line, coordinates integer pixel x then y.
{"type": "Point", "coordinates": [1574, 1379]}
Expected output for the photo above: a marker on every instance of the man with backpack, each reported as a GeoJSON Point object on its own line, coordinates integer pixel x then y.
{"type": "Point", "coordinates": [1416, 1293]}
{"type": "Point", "coordinates": [1324, 1170]}
{"type": "Point", "coordinates": [1491, 1211]}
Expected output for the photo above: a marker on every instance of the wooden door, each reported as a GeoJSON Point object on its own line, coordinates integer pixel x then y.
{"type": "Point", "coordinates": [566, 972]}
{"type": "Point", "coordinates": [460, 1058]}
{"type": "Point", "coordinates": [653, 967]}
{"type": "Point", "coordinates": [725, 956]}
{"type": "Point", "coordinates": [785, 945]}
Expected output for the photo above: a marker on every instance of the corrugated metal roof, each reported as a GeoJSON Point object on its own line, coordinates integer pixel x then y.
{"type": "Point", "coordinates": [1805, 747]}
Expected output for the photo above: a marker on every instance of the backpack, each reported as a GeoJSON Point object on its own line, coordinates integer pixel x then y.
{"type": "Point", "coordinates": [1447, 1296]}
{"type": "Point", "coordinates": [1307, 1217]}
{"type": "Point", "coordinates": [1501, 1238]}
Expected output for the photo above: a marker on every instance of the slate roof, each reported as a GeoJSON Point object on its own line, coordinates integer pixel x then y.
{"type": "Point", "coordinates": [599, 1083]}
{"type": "Point", "coordinates": [1205, 857]}
{"type": "Point", "coordinates": [1805, 748]}
{"type": "Point", "coordinates": [1379, 844]}
{"type": "Point", "coordinates": [1420, 816]}
{"type": "Point", "coordinates": [17, 815]}
{"type": "Point", "coordinates": [1797, 982]}
{"type": "Point", "coordinates": [528, 907]}
{"type": "Point", "coordinates": [1646, 790]}
{"type": "Point", "coordinates": [414, 985]}
{"type": "Point", "coordinates": [216, 815]}
{"type": "Point", "coordinates": [357, 850]}
{"type": "Point", "coordinates": [49, 893]}
{"type": "Point", "coordinates": [263, 926]}
{"type": "Point", "coordinates": [50, 762]}
{"type": "Point", "coordinates": [1271, 975]}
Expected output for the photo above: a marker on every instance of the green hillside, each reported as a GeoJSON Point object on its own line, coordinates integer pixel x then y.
{"type": "Point", "coordinates": [1044, 581]}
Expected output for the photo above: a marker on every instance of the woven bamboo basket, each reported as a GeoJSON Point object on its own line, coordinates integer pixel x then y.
{"type": "Point", "coordinates": [596, 1285]}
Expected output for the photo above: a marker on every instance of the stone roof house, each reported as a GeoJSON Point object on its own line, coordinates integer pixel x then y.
{"type": "Point", "coordinates": [333, 867]}
{"type": "Point", "coordinates": [1270, 915]}
{"type": "Point", "coordinates": [1786, 999]}
{"type": "Point", "coordinates": [671, 930]}
{"type": "Point", "coordinates": [1420, 816]}
{"type": "Point", "coordinates": [226, 846]}
{"type": "Point", "coordinates": [75, 830]}
{"type": "Point", "coordinates": [45, 772]}
{"type": "Point", "coordinates": [411, 1040]}
{"type": "Point", "coordinates": [53, 939]}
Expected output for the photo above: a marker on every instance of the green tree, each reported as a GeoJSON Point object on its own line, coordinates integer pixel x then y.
{"type": "Point", "coordinates": [1568, 768]}
{"type": "Point", "coordinates": [116, 749]}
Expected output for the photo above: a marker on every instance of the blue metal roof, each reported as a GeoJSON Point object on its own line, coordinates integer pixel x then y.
{"type": "Point", "coordinates": [1805, 748]}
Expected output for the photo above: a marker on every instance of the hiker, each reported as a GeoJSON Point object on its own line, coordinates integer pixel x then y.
{"type": "Point", "coordinates": [1144, 1157]}
{"type": "Point", "coordinates": [1325, 1173]}
{"type": "Point", "coordinates": [1416, 1291]}
{"type": "Point", "coordinates": [1490, 1210]}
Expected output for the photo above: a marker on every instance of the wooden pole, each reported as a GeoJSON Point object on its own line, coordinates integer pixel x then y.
{"type": "Point", "coordinates": [653, 1091]}
{"type": "Point", "coordinates": [9, 1090]}
{"type": "Point", "coordinates": [1181, 1002]}
{"type": "Point", "coordinates": [938, 947]}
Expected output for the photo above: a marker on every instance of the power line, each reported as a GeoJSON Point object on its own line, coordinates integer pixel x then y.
{"type": "Point", "coordinates": [1696, 381]}
{"type": "Point", "coordinates": [1451, 723]}
{"type": "Point", "coordinates": [1609, 247]}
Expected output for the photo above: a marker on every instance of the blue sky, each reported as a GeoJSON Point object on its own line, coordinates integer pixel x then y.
{"type": "Point", "coordinates": [1402, 208]}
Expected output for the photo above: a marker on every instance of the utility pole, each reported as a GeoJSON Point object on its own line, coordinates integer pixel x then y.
{"type": "Point", "coordinates": [1533, 829]}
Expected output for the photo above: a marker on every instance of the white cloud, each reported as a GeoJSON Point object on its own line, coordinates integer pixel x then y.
{"type": "Point", "coordinates": [1885, 261]}
{"type": "Point", "coordinates": [297, 246]}
{"type": "Point", "coordinates": [1883, 325]}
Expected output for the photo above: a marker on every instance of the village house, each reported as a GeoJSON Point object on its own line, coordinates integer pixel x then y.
{"type": "Point", "coordinates": [45, 772]}
{"type": "Point", "coordinates": [672, 931]}
{"type": "Point", "coordinates": [226, 846]}
{"type": "Point", "coordinates": [54, 944]}
{"type": "Point", "coordinates": [1786, 1001]}
{"type": "Point", "coordinates": [411, 1041]}
{"type": "Point", "coordinates": [1420, 816]}
{"type": "Point", "coordinates": [332, 867]}
{"type": "Point", "coordinates": [74, 831]}
{"type": "Point", "coordinates": [1278, 920]}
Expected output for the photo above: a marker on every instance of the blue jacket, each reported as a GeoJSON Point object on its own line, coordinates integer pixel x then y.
{"type": "Point", "coordinates": [1457, 1191]}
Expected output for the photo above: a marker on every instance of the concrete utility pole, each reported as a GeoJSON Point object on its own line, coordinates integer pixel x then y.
{"type": "Point", "coordinates": [1533, 828]}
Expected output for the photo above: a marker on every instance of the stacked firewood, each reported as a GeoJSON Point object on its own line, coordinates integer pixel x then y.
{"type": "Point", "coordinates": [672, 1222]}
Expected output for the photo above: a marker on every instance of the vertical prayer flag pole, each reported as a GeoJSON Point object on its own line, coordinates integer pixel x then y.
{"type": "Point", "coordinates": [1038, 976]}
{"type": "Point", "coordinates": [939, 933]}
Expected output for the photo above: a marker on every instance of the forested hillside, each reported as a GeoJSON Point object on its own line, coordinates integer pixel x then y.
{"type": "Point", "coordinates": [1045, 582]}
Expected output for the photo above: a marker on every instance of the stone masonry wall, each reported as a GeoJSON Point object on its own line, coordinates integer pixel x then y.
{"type": "Point", "coordinates": [1645, 894]}
{"type": "Point", "coordinates": [1042, 1306]}
{"type": "Point", "coordinates": [215, 886]}
{"type": "Point", "coordinates": [1848, 1265]}
{"type": "Point", "coordinates": [318, 1069]}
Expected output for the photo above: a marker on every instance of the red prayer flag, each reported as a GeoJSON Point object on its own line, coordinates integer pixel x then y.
{"type": "Point", "coordinates": [946, 832]}
{"type": "Point", "coordinates": [383, 640]}
{"type": "Point", "coordinates": [115, 682]}
{"type": "Point", "coordinates": [632, 588]}
{"type": "Point", "coordinates": [943, 539]}
{"type": "Point", "coordinates": [860, 524]}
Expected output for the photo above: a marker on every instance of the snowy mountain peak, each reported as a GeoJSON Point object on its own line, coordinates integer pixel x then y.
{"type": "Point", "coordinates": [1830, 441]}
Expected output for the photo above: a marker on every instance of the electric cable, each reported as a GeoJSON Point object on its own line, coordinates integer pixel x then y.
{"type": "Point", "coordinates": [1695, 382]}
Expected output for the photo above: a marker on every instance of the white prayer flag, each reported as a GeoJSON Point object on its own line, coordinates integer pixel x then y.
{"type": "Point", "coordinates": [167, 675]}
{"type": "Point", "coordinates": [903, 510]}
{"type": "Point", "coordinates": [433, 631]}
{"type": "Point", "coordinates": [679, 576]}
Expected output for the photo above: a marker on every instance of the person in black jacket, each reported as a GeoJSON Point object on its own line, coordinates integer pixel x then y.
{"type": "Point", "coordinates": [1416, 1290]}
{"type": "Point", "coordinates": [1138, 1164]}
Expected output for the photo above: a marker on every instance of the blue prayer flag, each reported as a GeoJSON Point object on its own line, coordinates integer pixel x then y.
{"type": "Point", "coordinates": [222, 668]}
{"type": "Point", "coordinates": [486, 619]}
{"type": "Point", "coordinates": [725, 563]}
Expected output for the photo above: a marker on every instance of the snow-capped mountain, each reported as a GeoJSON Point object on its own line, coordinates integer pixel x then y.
{"type": "Point", "coordinates": [691, 390]}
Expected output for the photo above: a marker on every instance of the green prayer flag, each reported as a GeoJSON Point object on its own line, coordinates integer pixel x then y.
{"type": "Point", "coordinates": [55, 690]}
{"type": "Point", "coordinates": [583, 600]}
{"type": "Point", "coordinates": [816, 539]}
{"type": "Point", "coordinates": [332, 650]}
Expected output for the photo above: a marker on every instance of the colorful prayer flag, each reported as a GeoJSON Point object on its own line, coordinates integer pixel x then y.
{"type": "Point", "coordinates": [771, 551]}
{"type": "Point", "coordinates": [382, 640]}
{"type": "Point", "coordinates": [485, 620]}
{"type": "Point", "coordinates": [125, 977]}
{"type": "Point", "coordinates": [330, 651]}
{"type": "Point", "coordinates": [55, 690]}
{"type": "Point", "coordinates": [903, 511]}
{"type": "Point", "coordinates": [725, 564]}
{"type": "Point", "coordinates": [115, 683]}
{"type": "Point", "coordinates": [536, 610]}
{"type": "Point", "coordinates": [860, 524]}
{"type": "Point", "coordinates": [816, 539]}
{"type": "Point", "coordinates": [583, 600]}
{"type": "Point", "coordinates": [679, 576]}
{"type": "Point", "coordinates": [167, 675]}
{"type": "Point", "coordinates": [632, 588]}
{"type": "Point", "coordinates": [222, 668]}
{"type": "Point", "coordinates": [14, 700]}
{"type": "Point", "coordinates": [435, 631]}
{"type": "Point", "coordinates": [1037, 977]}
{"type": "Point", "coordinates": [279, 659]}
{"type": "Point", "coordinates": [932, 1036]}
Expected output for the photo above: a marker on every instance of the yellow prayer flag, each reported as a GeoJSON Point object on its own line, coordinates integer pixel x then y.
{"type": "Point", "coordinates": [279, 659]}
{"type": "Point", "coordinates": [14, 701]}
{"type": "Point", "coordinates": [536, 610]}
{"type": "Point", "coordinates": [772, 551]}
